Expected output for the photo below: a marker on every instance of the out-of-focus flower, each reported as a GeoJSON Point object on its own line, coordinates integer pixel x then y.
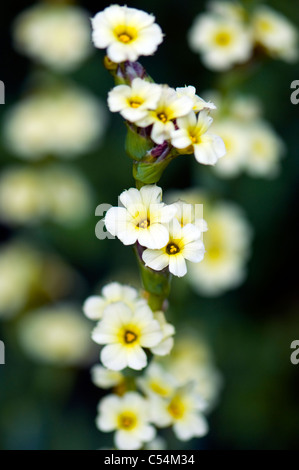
{"type": "Point", "coordinates": [157, 381]}
{"type": "Point", "coordinates": [170, 106]}
{"type": "Point", "coordinates": [129, 417]}
{"type": "Point", "coordinates": [127, 33]}
{"type": "Point", "coordinates": [182, 410]}
{"type": "Point", "coordinates": [221, 41]}
{"type": "Point", "coordinates": [234, 135]}
{"type": "Point", "coordinates": [133, 102]}
{"type": "Point", "coordinates": [192, 136]}
{"type": "Point", "coordinates": [275, 33]}
{"type": "Point", "coordinates": [232, 10]}
{"type": "Point", "coordinates": [190, 214]}
{"type": "Point", "coordinates": [264, 150]}
{"type": "Point", "coordinates": [64, 122]}
{"type": "Point", "coordinates": [105, 378]}
{"type": "Point", "coordinates": [57, 334]}
{"type": "Point", "coordinates": [198, 103]}
{"type": "Point", "coordinates": [22, 196]}
{"type": "Point", "coordinates": [125, 333]}
{"type": "Point", "coordinates": [184, 244]}
{"type": "Point", "coordinates": [168, 330]}
{"type": "Point", "coordinates": [114, 292]}
{"type": "Point", "coordinates": [252, 145]}
{"type": "Point", "coordinates": [30, 195]}
{"type": "Point", "coordinates": [142, 217]}
{"type": "Point", "coordinates": [227, 35]}
{"type": "Point", "coordinates": [20, 270]}
{"type": "Point", "coordinates": [68, 193]}
{"type": "Point", "coordinates": [227, 245]}
{"type": "Point", "coordinates": [191, 360]}
{"type": "Point", "coordinates": [57, 36]}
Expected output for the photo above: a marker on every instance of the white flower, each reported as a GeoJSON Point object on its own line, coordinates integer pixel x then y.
{"type": "Point", "coordinates": [95, 305]}
{"type": "Point", "coordinates": [55, 35]}
{"type": "Point", "coordinates": [65, 122]}
{"type": "Point", "coordinates": [183, 410]}
{"type": "Point", "coordinates": [55, 192]}
{"type": "Point", "coordinates": [105, 378]}
{"type": "Point", "coordinates": [142, 217]}
{"type": "Point", "coordinates": [133, 102]}
{"type": "Point", "coordinates": [198, 103]}
{"type": "Point", "coordinates": [232, 10]}
{"type": "Point", "coordinates": [222, 42]}
{"type": "Point", "coordinates": [184, 244]}
{"type": "Point", "coordinates": [20, 271]}
{"type": "Point", "coordinates": [170, 107]}
{"type": "Point", "coordinates": [235, 137]}
{"type": "Point", "coordinates": [168, 330]}
{"type": "Point", "coordinates": [192, 135]}
{"type": "Point", "coordinates": [59, 335]}
{"type": "Point", "coordinates": [127, 33]}
{"type": "Point", "coordinates": [22, 196]}
{"type": "Point", "coordinates": [129, 417]}
{"type": "Point", "coordinates": [275, 33]}
{"type": "Point", "coordinates": [157, 381]}
{"type": "Point", "coordinates": [190, 214]}
{"type": "Point", "coordinates": [125, 333]}
{"type": "Point", "coordinates": [191, 360]}
{"type": "Point", "coordinates": [265, 149]}
{"type": "Point", "coordinates": [227, 245]}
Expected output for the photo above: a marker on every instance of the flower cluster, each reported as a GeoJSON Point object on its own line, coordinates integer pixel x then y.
{"type": "Point", "coordinates": [178, 116]}
{"type": "Point", "coordinates": [251, 143]}
{"type": "Point", "coordinates": [162, 123]}
{"type": "Point", "coordinates": [127, 328]}
{"type": "Point", "coordinates": [229, 34]}
{"type": "Point", "coordinates": [169, 234]}
{"type": "Point", "coordinates": [159, 401]}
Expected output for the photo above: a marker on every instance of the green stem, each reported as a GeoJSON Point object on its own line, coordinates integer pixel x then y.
{"type": "Point", "coordinates": [155, 283]}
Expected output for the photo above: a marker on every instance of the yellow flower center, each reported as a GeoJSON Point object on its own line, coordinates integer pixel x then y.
{"type": "Point", "coordinates": [127, 421]}
{"type": "Point", "coordinates": [125, 38]}
{"type": "Point", "coordinates": [223, 38]}
{"type": "Point", "coordinates": [144, 223]}
{"type": "Point", "coordinates": [194, 139]}
{"type": "Point", "coordinates": [135, 104]}
{"type": "Point", "coordinates": [265, 25]}
{"type": "Point", "coordinates": [162, 117]}
{"type": "Point", "coordinates": [159, 389]}
{"type": "Point", "coordinates": [172, 249]}
{"type": "Point", "coordinates": [258, 147]}
{"type": "Point", "coordinates": [176, 408]}
{"type": "Point", "coordinates": [130, 337]}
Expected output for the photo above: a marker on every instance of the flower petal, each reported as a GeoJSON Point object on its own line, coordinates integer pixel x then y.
{"type": "Point", "coordinates": [155, 259]}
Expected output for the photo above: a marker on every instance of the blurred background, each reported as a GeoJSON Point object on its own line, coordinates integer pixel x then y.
{"type": "Point", "coordinates": [62, 154]}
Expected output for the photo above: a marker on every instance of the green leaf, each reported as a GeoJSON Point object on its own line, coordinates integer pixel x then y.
{"type": "Point", "coordinates": [149, 172]}
{"type": "Point", "coordinates": [137, 146]}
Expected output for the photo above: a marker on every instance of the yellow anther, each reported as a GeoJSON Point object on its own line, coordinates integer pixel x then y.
{"type": "Point", "coordinates": [135, 104]}
{"type": "Point", "coordinates": [172, 249]}
{"type": "Point", "coordinates": [162, 117]}
{"type": "Point", "coordinates": [130, 337]}
{"type": "Point", "coordinates": [124, 37]}
{"type": "Point", "coordinates": [144, 224]}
